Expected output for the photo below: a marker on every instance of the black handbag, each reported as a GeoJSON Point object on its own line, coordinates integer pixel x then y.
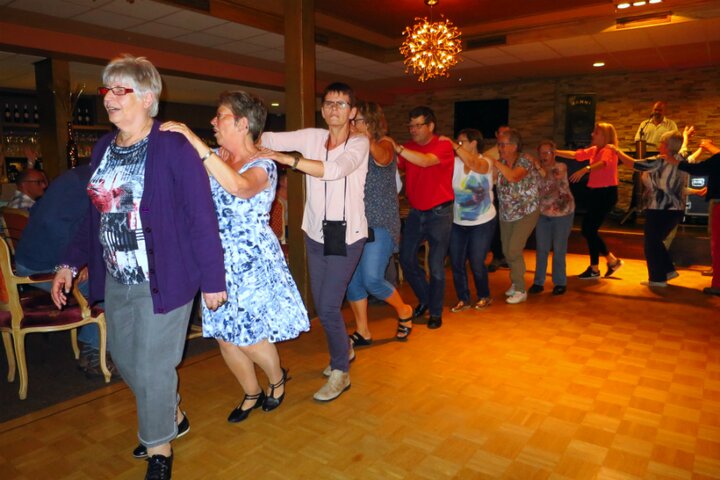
{"type": "Point", "coordinates": [334, 237]}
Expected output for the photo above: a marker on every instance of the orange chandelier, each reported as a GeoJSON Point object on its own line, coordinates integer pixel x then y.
{"type": "Point", "coordinates": [431, 48]}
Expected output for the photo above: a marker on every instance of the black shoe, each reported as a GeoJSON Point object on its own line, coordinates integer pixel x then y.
{"type": "Point", "coordinates": [434, 322]}
{"type": "Point", "coordinates": [159, 468]}
{"type": "Point", "coordinates": [238, 415]}
{"type": "Point", "coordinates": [183, 428]}
{"type": "Point", "coordinates": [559, 289]}
{"type": "Point", "coordinates": [536, 289]}
{"type": "Point", "coordinates": [420, 310]}
{"type": "Point", "coordinates": [589, 274]}
{"type": "Point", "coordinates": [270, 402]}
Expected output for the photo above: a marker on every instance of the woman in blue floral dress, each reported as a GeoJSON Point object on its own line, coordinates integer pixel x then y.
{"type": "Point", "coordinates": [264, 305]}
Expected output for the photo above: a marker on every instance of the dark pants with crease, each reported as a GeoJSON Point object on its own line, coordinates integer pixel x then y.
{"type": "Point", "coordinates": [658, 224]}
{"type": "Point", "coordinates": [433, 225]}
{"type": "Point", "coordinates": [329, 279]}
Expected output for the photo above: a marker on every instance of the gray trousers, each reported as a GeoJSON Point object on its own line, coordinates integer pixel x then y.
{"type": "Point", "coordinates": [514, 235]}
{"type": "Point", "coordinates": [147, 349]}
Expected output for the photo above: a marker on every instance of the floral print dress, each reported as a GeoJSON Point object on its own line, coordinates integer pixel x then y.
{"type": "Point", "coordinates": [263, 300]}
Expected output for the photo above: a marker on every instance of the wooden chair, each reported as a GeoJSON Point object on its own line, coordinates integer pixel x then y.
{"type": "Point", "coordinates": [24, 314]}
{"type": "Point", "coordinates": [278, 225]}
{"type": "Point", "coordinates": [14, 221]}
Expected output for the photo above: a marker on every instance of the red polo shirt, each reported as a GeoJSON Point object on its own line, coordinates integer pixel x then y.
{"type": "Point", "coordinates": [427, 187]}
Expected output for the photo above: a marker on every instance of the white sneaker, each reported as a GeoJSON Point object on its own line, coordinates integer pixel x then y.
{"type": "Point", "coordinates": [517, 297]}
{"type": "Point", "coordinates": [672, 275]}
{"type": "Point", "coordinates": [654, 284]}
{"type": "Point", "coordinates": [510, 291]}
{"type": "Point", "coordinates": [351, 357]}
{"type": "Point", "coordinates": [338, 382]}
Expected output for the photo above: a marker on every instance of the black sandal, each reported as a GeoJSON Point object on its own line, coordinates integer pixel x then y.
{"type": "Point", "coordinates": [271, 403]}
{"type": "Point", "coordinates": [403, 332]}
{"type": "Point", "coordinates": [358, 340]}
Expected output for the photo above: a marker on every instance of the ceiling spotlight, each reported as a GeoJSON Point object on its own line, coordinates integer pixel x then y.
{"type": "Point", "coordinates": [639, 3]}
{"type": "Point", "coordinates": [622, 6]}
{"type": "Point", "coordinates": [274, 104]}
{"type": "Point", "coordinates": [598, 64]}
{"type": "Point", "coordinates": [652, 2]}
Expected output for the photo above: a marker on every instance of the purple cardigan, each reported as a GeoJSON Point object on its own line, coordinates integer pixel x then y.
{"type": "Point", "coordinates": [179, 222]}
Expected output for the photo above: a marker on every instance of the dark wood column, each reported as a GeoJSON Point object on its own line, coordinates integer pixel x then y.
{"type": "Point", "coordinates": [51, 74]}
{"type": "Point", "coordinates": [300, 111]}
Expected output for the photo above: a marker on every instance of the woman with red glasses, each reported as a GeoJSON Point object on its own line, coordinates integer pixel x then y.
{"type": "Point", "coordinates": [150, 240]}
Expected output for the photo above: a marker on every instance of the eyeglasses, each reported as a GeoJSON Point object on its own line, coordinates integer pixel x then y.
{"type": "Point", "coordinates": [35, 181]}
{"type": "Point", "coordinates": [118, 91]}
{"type": "Point", "coordinates": [414, 126]}
{"type": "Point", "coordinates": [340, 104]}
{"type": "Point", "coordinates": [355, 121]}
{"type": "Point", "coordinates": [219, 116]}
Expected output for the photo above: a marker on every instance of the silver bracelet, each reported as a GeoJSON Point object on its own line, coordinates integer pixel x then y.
{"type": "Point", "coordinates": [73, 270]}
{"type": "Point", "coordinates": [207, 155]}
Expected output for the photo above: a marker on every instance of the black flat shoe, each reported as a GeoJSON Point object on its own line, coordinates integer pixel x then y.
{"type": "Point", "coordinates": [183, 428]}
{"type": "Point", "coordinates": [420, 310]}
{"type": "Point", "coordinates": [536, 289]}
{"type": "Point", "coordinates": [434, 322]}
{"type": "Point", "coordinates": [159, 468]}
{"type": "Point", "coordinates": [238, 415]}
{"type": "Point", "coordinates": [559, 289]}
{"type": "Point", "coordinates": [271, 403]}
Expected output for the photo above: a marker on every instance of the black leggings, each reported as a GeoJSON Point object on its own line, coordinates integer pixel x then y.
{"type": "Point", "coordinates": [600, 202]}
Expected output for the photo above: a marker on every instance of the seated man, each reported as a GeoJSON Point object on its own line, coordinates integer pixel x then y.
{"type": "Point", "coordinates": [31, 185]}
{"type": "Point", "coordinates": [52, 225]}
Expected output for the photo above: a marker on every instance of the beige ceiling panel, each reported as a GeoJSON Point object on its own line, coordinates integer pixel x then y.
{"type": "Point", "coordinates": [159, 30]}
{"type": "Point", "coordinates": [574, 46]}
{"type": "Point", "coordinates": [190, 20]}
{"type": "Point", "coordinates": [109, 19]}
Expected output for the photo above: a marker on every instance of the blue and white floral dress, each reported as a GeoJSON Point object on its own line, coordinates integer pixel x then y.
{"type": "Point", "coordinates": [263, 300]}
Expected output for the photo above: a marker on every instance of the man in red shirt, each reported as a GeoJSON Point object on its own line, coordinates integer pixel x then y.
{"type": "Point", "coordinates": [428, 165]}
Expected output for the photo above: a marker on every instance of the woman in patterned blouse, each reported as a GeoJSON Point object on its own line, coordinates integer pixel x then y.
{"type": "Point", "coordinates": [518, 197]}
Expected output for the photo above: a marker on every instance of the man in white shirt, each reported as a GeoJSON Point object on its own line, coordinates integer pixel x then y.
{"type": "Point", "coordinates": [653, 128]}
{"type": "Point", "coordinates": [31, 184]}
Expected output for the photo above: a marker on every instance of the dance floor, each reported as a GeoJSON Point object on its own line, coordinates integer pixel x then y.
{"type": "Point", "coordinates": [610, 381]}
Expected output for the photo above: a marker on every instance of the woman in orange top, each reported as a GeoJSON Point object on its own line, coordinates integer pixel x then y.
{"type": "Point", "coordinates": [602, 197]}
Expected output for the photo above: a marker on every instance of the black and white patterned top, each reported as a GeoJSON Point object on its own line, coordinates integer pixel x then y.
{"type": "Point", "coordinates": [664, 183]}
{"type": "Point", "coordinates": [116, 189]}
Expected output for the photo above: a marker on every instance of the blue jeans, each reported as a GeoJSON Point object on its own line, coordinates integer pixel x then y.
{"type": "Point", "coordinates": [471, 243]}
{"type": "Point", "coordinates": [552, 232]}
{"type": "Point", "coordinates": [433, 225]}
{"type": "Point", "coordinates": [329, 278]}
{"type": "Point", "coordinates": [87, 334]}
{"type": "Point", "coordinates": [369, 276]}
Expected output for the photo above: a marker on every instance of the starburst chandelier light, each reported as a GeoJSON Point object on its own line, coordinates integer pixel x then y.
{"type": "Point", "coordinates": [431, 48]}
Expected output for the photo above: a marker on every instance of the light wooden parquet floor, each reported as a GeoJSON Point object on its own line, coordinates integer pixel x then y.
{"type": "Point", "coordinates": [610, 381]}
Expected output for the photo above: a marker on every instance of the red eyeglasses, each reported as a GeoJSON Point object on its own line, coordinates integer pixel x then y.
{"type": "Point", "coordinates": [119, 91]}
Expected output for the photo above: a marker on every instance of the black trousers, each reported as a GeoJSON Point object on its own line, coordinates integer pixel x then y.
{"type": "Point", "coordinates": [658, 224]}
{"type": "Point", "coordinates": [600, 202]}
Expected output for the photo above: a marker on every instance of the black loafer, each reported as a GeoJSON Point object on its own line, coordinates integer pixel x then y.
{"type": "Point", "coordinates": [183, 428]}
{"type": "Point", "coordinates": [536, 289]}
{"type": "Point", "coordinates": [420, 310]}
{"type": "Point", "coordinates": [559, 289]}
{"type": "Point", "coordinates": [434, 322]}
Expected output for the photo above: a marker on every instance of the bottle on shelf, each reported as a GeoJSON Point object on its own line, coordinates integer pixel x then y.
{"type": "Point", "coordinates": [8, 113]}
{"type": "Point", "coordinates": [36, 114]}
{"type": "Point", "coordinates": [16, 114]}
{"type": "Point", "coordinates": [26, 114]}
{"type": "Point", "coordinates": [71, 148]}
{"type": "Point", "coordinates": [87, 116]}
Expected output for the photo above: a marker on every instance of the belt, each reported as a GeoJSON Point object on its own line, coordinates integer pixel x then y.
{"type": "Point", "coordinates": [438, 207]}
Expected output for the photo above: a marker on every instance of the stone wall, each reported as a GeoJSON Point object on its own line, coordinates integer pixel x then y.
{"type": "Point", "coordinates": [537, 108]}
